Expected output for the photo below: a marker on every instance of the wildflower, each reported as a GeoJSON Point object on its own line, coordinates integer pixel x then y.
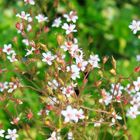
{"type": "Point", "coordinates": [29, 52]}
{"type": "Point", "coordinates": [29, 27]}
{"type": "Point", "coordinates": [3, 86]}
{"type": "Point", "coordinates": [71, 16]}
{"type": "Point", "coordinates": [116, 88]}
{"type": "Point", "coordinates": [48, 57]}
{"type": "Point", "coordinates": [69, 45]}
{"type": "Point", "coordinates": [12, 86]}
{"type": "Point", "coordinates": [23, 15]}
{"type": "Point", "coordinates": [8, 49]}
{"type": "Point", "coordinates": [12, 134]}
{"type": "Point", "coordinates": [135, 26]}
{"type": "Point", "coordinates": [1, 132]}
{"type": "Point", "coordinates": [26, 42]}
{"type": "Point", "coordinates": [74, 71]}
{"type": "Point", "coordinates": [137, 84]}
{"type": "Point", "coordinates": [54, 84]}
{"type": "Point", "coordinates": [57, 22]}
{"type": "Point", "coordinates": [68, 90]}
{"type": "Point", "coordinates": [81, 64]}
{"type": "Point", "coordinates": [132, 112]}
{"type": "Point", "coordinates": [32, 2]}
{"type": "Point", "coordinates": [106, 97]}
{"type": "Point", "coordinates": [12, 58]}
{"type": "Point", "coordinates": [79, 115]}
{"type": "Point", "coordinates": [69, 28]}
{"type": "Point", "coordinates": [41, 18]}
{"type": "Point", "coordinates": [69, 114]}
{"type": "Point", "coordinates": [94, 59]}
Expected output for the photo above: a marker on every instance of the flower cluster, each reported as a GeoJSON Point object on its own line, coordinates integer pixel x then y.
{"type": "Point", "coordinates": [72, 89]}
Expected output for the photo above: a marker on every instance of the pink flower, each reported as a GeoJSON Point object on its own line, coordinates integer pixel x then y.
{"type": "Point", "coordinates": [41, 18]}
{"type": "Point", "coordinates": [57, 22]}
{"type": "Point", "coordinates": [69, 114]}
{"type": "Point", "coordinates": [81, 64]}
{"type": "Point", "coordinates": [12, 58]}
{"type": "Point", "coordinates": [79, 115]}
{"type": "Point", "coordinates": [48, 57]}
{"type": "Point", "coordinates": [133, 112]}
{"type": "Point", "coordinates": [23, 15]}
{"type": "Point", "coordinates": [71, 16]}
{"type": "Point", "coordinates": [32, 2]}
{"type": "Point", "coordinates": [137, 84]}
{"type": "Point", "coordinates": [69, 28]}
{"type": "Point", "coordinates": [94, 59]}
{"type": "Point", "coordinates": [8, 49]}
{"type": "Point", "coordinates": [68, 90]}
{"type": "Point", "coordinates": [74, 71]}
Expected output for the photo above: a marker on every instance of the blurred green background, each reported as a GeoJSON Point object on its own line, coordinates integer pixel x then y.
{"type": "Point", "coordinates": [102, 28]}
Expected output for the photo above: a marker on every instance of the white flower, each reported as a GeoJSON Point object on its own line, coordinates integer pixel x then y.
{"type": "Point", "coordinates": [26, 42]}
{"type": "Point", "coordinates": [29, 27]}
{"type": "Point", "coordinates": [79, 115]}
{"type": "Point", "coordinates": [137, 84]}
{"type": "Point", "coordinates": [23, 15]}
{"type": "Point", "coordinates": [81, 64]}
{"type": "Point", "coordinates": [32, 2]}
{"type": "Point", "coordinates": [57, 22]}
{"type": "Point", "coordinates": [116, 88]}
{"type": "Point", "coordinates": [1, 132]}
{"type": "Point", "coordinates": [69, 114]}
{"type": "Point", "coordinates": [48, 57]}
{"type": "Point", "coordinates": [29, 52]}
{"type": "Point", "coordinates": [71, 17]}
{"type": "Point", "coordinates": [70, 46]}
{"type": "Point", "coordinates": [74, 71]}
{"type": "Point", "coordinates": [69, 28]}
{"type": "Point", "coordinates": [54, 84]}
{"type": "Point", "coordinates": [93, 60]}
{"type": "Point", "coordinates": [133, 112]}
{"type": "Point", "coordinates": [68, 90]}
{"type": "Point", "coordinates": [135, 26]}
{"type": "Point", "coordinates": [3, 86]}
{"type": "Point", "coordinates": [8, 49]}
{"type": "Point", "coordinates": [12, 86]}
{"type": "Point", "coordinates": [53, 136]}
{"type": "Point", "coordinates": [138, 57]}
{"type": "Point", "coordinates": [106, 98]}
{"type": "Point", "coordinates": [41, 18]}
{"type": "Point", "coordinates": [12, 134]}
{"type": "Point", "coordinates": [12, 58]}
